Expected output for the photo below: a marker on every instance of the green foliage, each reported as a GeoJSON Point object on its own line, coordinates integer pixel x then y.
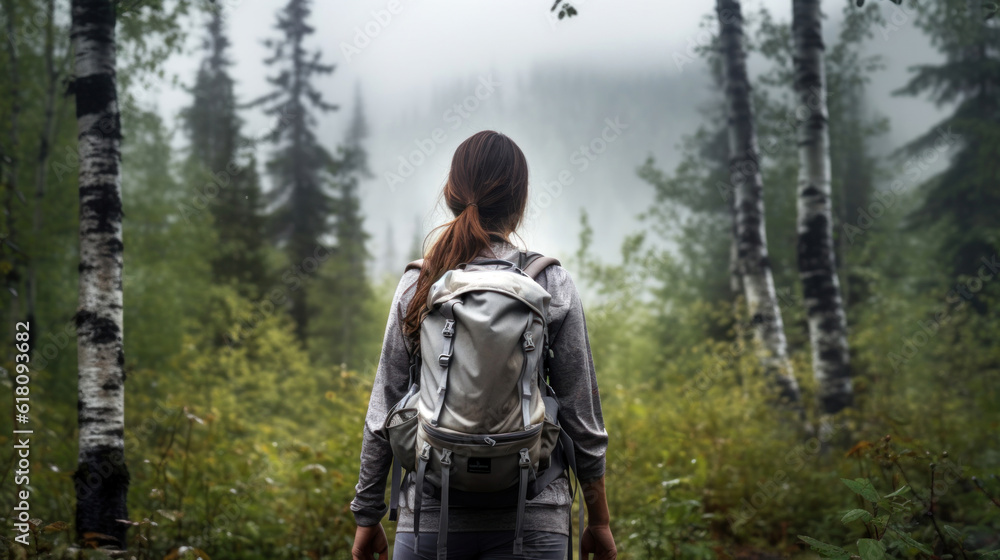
{"type": "Point", "coordinates": [892, 521]}
{"type": "Point", "coordinates": [958, 198]}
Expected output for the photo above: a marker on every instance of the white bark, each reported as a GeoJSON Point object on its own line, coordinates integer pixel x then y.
{"type": "Point", "coordinates": [101, 478]}
{"type": "Point", "coordinates": [816, 258]}
{"type": "Point", "coordinates": [748, 188]}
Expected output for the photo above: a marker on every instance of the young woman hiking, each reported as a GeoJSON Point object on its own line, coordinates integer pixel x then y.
{"type": "Point", "coordinates": [487, 191]}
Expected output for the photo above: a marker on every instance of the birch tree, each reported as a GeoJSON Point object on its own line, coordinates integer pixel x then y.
{"type": "Point", "coordinates": [101, 478]}
{"type": "Point", "coordinates": [747, 189]}
{"type": "Point", "coordinates": [817, 266]}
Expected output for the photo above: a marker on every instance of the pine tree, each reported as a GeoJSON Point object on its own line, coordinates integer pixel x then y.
{"type": "Point", "coordinates": [853, 130]}
{"type": "Point", "coordinates": [231, 184]}
{"type": "Point", "coordinates": [346, 277]}
{"type": "Point", "coordinates": [417, 243]}
{"type": "Point", "coordinates": [303, 171]}
{"type": "Point", "coordinates": [389, 257]}
{"type": "Point", "coordinates": [960, 203]}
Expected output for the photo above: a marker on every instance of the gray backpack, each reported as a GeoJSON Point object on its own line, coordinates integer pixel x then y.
{"type": "Point", "coordinates": [478, 425]}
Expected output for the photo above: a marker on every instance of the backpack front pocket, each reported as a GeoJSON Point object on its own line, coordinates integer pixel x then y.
{"type": "Point", "coordinates": [484, 462]}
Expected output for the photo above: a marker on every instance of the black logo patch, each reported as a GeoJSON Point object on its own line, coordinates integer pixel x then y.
{"type": "Point", "coordinates": [479, 465]}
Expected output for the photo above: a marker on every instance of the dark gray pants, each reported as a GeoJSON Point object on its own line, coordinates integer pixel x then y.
{"type": "Point", "coordinates": [483, 545]}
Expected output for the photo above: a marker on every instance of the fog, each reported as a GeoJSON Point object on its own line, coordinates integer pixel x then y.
{"type": "Point", "coordinates": [587, 98]}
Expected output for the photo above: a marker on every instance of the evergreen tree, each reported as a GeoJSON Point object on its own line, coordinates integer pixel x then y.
{"type": "Point", "coordinates": [231, 184]}
{"type": "Point", "coordinates": [853, 130]}
{"type": "Point", "coordinates": [389, 257]}
{"type": "Point", "coordinates": [417, 245]}
{"type": "Point", "coordinates": [345, 277]}
{"type": "Point", "coordinates": [690, 209]}
{"type": "Point", "coordinates": [960, 203]}
{"type": "Point", "coordinates": [303, 171]}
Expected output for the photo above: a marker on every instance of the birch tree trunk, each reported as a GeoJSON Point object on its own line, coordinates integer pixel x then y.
{"type": "Point", "coordinates": [748, 190]}
{"type": "Point", "coordinates": [816, 259]}
{"type": "Point", "coordinates": [101, 478]}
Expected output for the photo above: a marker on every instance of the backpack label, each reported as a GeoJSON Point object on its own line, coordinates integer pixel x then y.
{"type": "Point", "coordinates": [479, 465]}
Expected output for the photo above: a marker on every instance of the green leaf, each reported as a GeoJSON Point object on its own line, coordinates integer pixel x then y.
{"type": "Point", "coordinates": [990, 555]}
{"type": "Point", "coordinates": [902, 490]}
{"type": "Point", "coordinates": [882, 520]}
{"type": "Point", "coordinates": [855, 515]}
{"type": "Point", "coordinates": [910, 542]}
{"type": "Point", "coordinates": [870, 549]}
{"type": "Point", "coordinates": [826, 550]}
{"type": "Point", "coordinates": [862, 487]}
{"type": "Point", "coordinates": [953, 533]}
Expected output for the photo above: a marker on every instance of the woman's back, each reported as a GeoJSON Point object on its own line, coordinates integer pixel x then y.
{"type": "Point", "coordinates": [571, 374]}
{"type": "Point", "coordinates": [487, 191]}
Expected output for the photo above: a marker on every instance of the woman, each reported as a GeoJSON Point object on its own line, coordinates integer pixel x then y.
{"type": "Point", "coordinates": [487, 191]}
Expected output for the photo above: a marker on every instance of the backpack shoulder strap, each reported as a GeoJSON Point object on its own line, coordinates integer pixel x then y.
{"type": "Point", "coordinates": [537, 262]}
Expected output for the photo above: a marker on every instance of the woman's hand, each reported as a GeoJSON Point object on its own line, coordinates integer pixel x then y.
{"type": "Point", "coordinates": [597, 539]}
{"type": "Point", "coordinates": [368, 541]}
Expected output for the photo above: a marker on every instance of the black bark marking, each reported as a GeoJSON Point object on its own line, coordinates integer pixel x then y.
{"type": "Point", "coordinates": [102, 204]}
{"type": "Point", "coordinates": [833, 356]}
{"type": "Point", "coordinates": [117, 432]}
{"type": "Point", "coordinates": [815, 247]}
{"type": "Point", "coordinates": [836, 402]}
{"type": "Point", "coordinates": [101, 481]}
{"type": "Point", "coordinates": [810, 192]}
{"type": "Point", "coordinates": [114, 246]}
{"type": "Point", "coordinates": [102, 329]}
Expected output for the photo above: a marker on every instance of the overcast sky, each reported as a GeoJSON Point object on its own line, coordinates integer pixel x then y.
{"type": "Point", "coordinates": [398, 60]}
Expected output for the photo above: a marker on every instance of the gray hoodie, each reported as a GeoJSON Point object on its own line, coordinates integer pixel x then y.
{"type": "Point", "coordinates": [572, 377]}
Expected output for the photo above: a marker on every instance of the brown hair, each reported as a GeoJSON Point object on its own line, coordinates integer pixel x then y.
{"type": "Point", "coordinates": [487, 191]}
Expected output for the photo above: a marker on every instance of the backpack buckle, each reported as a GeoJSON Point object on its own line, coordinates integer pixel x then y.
{"type": "Point", "coordinates": [529, 344]}
{"type": "Point", "coordinates": [425, 452]}
{"type": "Point", "coordinates": [525, 459]}
{"type": "Point", "coordinates": [446, 457]}
{"type": "Point", "coordinates": [449, 328]}
{"type": "Point", "coordinates": [443, 360]}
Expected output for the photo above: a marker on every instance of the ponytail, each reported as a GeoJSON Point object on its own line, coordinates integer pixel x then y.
{"type": "Point", "coordinates": [487, 191]}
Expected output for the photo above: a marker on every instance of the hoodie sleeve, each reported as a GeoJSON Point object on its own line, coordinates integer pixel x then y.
{"type": "Point", "coordinates": [391, 380]}
{"type": "Point", "coordinates": [572, 374]}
